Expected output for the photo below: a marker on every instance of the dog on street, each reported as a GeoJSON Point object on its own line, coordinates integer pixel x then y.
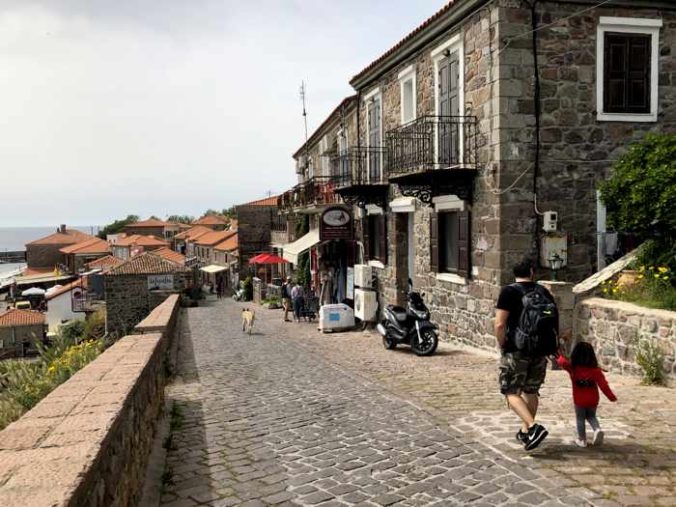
{"type": "Point", "coordinates": [248, 318]}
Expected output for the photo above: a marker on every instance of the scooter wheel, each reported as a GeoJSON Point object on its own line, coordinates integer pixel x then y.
{"type": "Point", "coordinates": [429, 343]}
{"type": "Point", "coordinates": [389, 343]}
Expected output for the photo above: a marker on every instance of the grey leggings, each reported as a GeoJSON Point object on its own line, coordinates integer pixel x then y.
{"type": "Point", "coordinates": [581, 416]}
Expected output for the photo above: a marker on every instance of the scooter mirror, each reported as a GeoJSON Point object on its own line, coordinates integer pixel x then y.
{"type": "Point", "coordinates": [422, 294]}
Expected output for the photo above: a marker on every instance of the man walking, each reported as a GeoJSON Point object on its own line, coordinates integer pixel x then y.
{"type": "Point", "coordinates": [297, 295]}
{"type": "Point", "coordinates": [526, 327]}
{"type": "Point", "coordinates": [286, 297]}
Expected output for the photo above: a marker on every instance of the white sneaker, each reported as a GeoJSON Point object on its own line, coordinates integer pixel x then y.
{"type": "Point", "coordinates": [580, 443]}
{"type": "Point", "coordinates": [598, 437]}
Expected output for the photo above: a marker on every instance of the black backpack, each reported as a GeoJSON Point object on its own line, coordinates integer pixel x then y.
{"type": "Point", "coordinates": [537, 332]}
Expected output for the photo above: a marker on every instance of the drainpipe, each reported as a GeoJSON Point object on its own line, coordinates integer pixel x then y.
{"type": "Point", "coordinates": [537, 113]}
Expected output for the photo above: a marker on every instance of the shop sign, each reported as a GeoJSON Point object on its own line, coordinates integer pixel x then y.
{"type": "Point", "coordinates": [336, 223]}
{"type": "Point", "coordinates": [160, 282]}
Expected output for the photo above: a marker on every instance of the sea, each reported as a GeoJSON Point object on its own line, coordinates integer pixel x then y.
{"type": "Point", "coordinates": [15, 238]}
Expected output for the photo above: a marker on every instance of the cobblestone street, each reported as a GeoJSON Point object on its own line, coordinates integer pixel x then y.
{"type": "Point", "coordinates": [292, 417]}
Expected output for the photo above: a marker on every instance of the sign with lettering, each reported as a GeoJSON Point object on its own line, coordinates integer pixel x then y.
{"type": "Point", "coordinates": [161, 282]}
{"type": "Point", "coordinates": [336, 223]}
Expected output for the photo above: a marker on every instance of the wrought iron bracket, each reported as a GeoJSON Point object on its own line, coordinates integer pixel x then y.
{"type": "Point", "coordinates": [421, 192]}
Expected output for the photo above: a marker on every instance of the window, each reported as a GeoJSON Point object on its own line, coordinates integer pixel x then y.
{"type": "Point", "coordinates": [374, 135]}
{"type": "Point", "coordinates": [627, 69]}
{"type": "Point", "coordinates": [376, 238]}
{"type": "Point", "coordinates": [450, 242]}
{"type": "Point", "coordinates": [449, 100]}
{"type": "Point", "coordinates": [408, 94]}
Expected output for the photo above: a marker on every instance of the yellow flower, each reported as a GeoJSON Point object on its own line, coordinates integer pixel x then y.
{"type": "Point", "coordinates": [641, 268]}
{"type": "Point", "coordinates": [639, 277]}
{"type": "Point", "coordinates": [614, 290]}
{"type": "Point", "coordinates": [656, 275]}
{"type": "Point", "coordinates": [665, 277]}
{"type": "Point", "coordinates": [605, 291]}
{"type": "Point", "coordinates": [662, 269]}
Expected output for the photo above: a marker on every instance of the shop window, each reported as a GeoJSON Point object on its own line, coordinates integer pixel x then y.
{"type": "Point", "coordinates": [377, 238]}
{"type": "Point", "coordinates": [449, 242]}
{"type": "Point", "coordinates": [627, 69]}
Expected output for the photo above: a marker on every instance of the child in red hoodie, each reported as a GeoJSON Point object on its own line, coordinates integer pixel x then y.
{"type": "Point", "coordinates": [587, 378]}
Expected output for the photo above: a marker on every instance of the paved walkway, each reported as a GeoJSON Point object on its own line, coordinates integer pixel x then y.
{"type": "Point", "coordinates": [288, 416]}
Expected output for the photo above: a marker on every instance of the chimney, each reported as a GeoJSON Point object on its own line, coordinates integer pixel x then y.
{"type": "Point", "coordinates": [62, 228]}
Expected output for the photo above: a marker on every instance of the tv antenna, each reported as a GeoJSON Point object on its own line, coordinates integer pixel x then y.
{"type": "Point", "coordinates": [303, 93]}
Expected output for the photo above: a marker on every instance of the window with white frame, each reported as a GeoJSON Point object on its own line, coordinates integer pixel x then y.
{"type": "Point", "coordinates": [374, 135]}
{"type": "Point", "coordinates": [324, 155]}
{"type": "Point", "coordinates": [627, 61]}
{"type": "Point", "coordinates": [449, 97]}
{"type": "Point", "coordinates": [407, 87]}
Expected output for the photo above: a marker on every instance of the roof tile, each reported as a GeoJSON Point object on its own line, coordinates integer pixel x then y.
{"type": "Point", "coordinates": [70, 237]}
{"type": "Point", "coordinates": [147, 264]}
{"type": "Point", "coordinates": [15, 317]}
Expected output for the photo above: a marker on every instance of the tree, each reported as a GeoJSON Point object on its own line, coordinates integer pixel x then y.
{"type": "Point", "coordinates": [640, 195]}
{"type": "Point", "coordinates": [211, 212]}
{"type": "Point", "coordinates": [117, 226]}
{"type": "Point", "coordinates": [181, 219]}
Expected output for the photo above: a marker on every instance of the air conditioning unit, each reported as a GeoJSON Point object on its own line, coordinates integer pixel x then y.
{"type": "Point", "coordinates": [363, 276]}
{"type": "Point", "coordinates": [365, 305]}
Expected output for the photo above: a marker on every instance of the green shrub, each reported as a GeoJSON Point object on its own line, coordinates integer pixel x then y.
{"type": "Point", "coordinates": [95, 326]}
{"type": "Point", "coordinates": [24, 383]}
{"type": "Point", "coordinates": [72, 330]}
{"type": "Point", "coordinates": [650, 359]}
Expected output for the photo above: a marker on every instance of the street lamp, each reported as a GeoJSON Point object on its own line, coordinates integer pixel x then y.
{"type": "Point", "coordinates": [555, 263]}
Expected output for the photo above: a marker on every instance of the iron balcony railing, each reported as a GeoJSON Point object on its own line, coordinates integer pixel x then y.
{"type": "Point", "coordinates": [432, 142]}
{"type": "Point", "coordinates": [316, 191]}
{"type": "Point", "coordinates": [358, 166]}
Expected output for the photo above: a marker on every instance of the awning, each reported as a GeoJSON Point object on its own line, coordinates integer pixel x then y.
{"type": "Point", "coordinates": [291, 251]}
{"type": "Point", "coordinates": [213, 268]}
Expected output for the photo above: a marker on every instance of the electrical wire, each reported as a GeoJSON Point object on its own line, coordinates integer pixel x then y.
{"type": "Point", "coordinates": [553, 23]}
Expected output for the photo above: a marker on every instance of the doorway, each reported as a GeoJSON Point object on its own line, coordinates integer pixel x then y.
{"type": "Point", "coordinates": [405, 246]}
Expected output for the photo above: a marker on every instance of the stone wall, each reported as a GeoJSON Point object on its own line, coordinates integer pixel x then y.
{"type": "Point", "coordinates": [577, 149]}
{"type": "Point", "coordinates": [128, 299]}
{"type": "Point", "coordinates": [88, 442]}
{"type": "Point", "coordinates": [253, 230]}
{"type": "Point", "coordinates": [44, 256]}
{"type": "Point", "coordinates": [615, 327]}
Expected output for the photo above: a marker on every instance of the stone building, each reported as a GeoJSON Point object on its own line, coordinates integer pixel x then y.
{"type": "Point", "coordinates": [77, 256]}
{"type": "Point", "coordinates": [154, 227]}
{"type": "Point", "coordinates": [138, 285]}
{"type": "Point", "coordinates": [45, 252]}
{"type": "Point", "coordinates": [473, 139]}
{"type": "Point", "coordinates": [19, 330]}
{"type": "Point", "coordinates": [213, 222]}
{"type": "Point", "coordinates": [254, 223]}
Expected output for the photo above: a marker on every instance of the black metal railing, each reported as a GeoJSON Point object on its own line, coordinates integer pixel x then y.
{"type": "Point", "coordinates": [432, 142]}
{"type": "Point", "coordinates": [359, 166]}
{"type": "Point", "coordinates": [316, 191]}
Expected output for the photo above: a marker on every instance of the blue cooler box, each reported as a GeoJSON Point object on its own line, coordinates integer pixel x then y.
{"type": "Point", "coordinates": [336, 317]}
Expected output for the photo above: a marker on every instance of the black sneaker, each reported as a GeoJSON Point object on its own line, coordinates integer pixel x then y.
{"type": "Point", "coordinates": [521, 437]}
{"type": "Point", "coordinates": [536, 434]}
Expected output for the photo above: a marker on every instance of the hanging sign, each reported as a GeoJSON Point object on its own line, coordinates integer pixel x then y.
{"type": "Point", "coordinates": [336, 223]}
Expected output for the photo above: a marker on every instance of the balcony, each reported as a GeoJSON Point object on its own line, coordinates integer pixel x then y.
{"type": "Point", "coordinates": [432, 143]}
{"type": "Point", "coordinates": [359, 166]}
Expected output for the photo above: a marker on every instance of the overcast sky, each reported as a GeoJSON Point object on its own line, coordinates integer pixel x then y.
{"type": "Point", "coordinates": [170, 106]}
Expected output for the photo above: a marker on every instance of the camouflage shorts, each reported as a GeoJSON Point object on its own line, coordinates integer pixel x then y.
{"type": "Point", "coordinates": [521, 373]}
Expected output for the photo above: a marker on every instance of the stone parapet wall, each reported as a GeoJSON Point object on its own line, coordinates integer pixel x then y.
{"type": "Point", "coordinates": [615, 328]}
{"type": "Point", "coordinates": [88, 442]}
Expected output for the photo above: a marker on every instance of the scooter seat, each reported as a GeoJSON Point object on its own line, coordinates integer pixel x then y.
{"type": "Point", "coordinates": [398, 312]}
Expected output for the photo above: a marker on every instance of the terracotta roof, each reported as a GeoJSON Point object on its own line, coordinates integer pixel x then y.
{"type": "Point", "coordinates": [37, 271]}
{"type": "Point", "coordinates": [70, 237]}
{"type": "Point", "coordinates": [147, 264]}
{"type": "Point", "coordinates": [151, 222]}
{"type": "Point", "coordinates": [15, 317]}
{"type": "Point", "coordinates": [171, 255]}
{"type": "Point", "coordinates": [105, 263]}
{"type": "Point", "coordinates": [268, 201]}
{"type": "Point", "coordinates": [214, 237]}
{"type": "Point", "coordinates": [211, 220]}
{"type": "Point", "coordinates": [90, 246]}
{"type": "Point", "coordinates": [230, 244]}
{"type": "Point", "coordinates": [140, 240]}
{"type": "Point", "coordinates": [193, 233]}
{"type": "Point", "coordinates": [425, 24]}
{"type": "Point", "coordinates": [347, 101]}
{"type": "Point", "coordinates": [81, 282]}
